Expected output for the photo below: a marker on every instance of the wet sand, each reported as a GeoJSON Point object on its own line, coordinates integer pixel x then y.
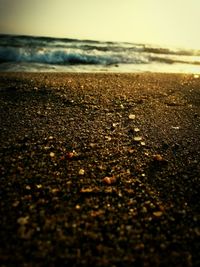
{"type": "Point", "coordinates": [100, 169]}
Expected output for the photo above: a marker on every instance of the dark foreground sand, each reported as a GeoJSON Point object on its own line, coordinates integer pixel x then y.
{"type": "Point", "coordinates": [100, 170]}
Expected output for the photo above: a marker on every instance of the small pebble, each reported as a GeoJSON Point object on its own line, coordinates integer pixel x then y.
{"type": "Point", "coordinates": [175, 127]}
{"type": "Point", "coordinates": [108, 138]}
{"type": "Point", "coordinates": [144, 210]}
{"type": "Point", "coordinates": [136, 129]}
{"type": "Point", "coordinates": [92, 145]}
{"type": "Point", "coordinates": [16, 204]}
{"type": "Point", "coordinates": [131, 116]}
{"type": "Point", "coordinates": [158, 157]}
{"type": "Point", "coordinates": [23, 220]}
{"type": "Point", "coordinates": [157, 213]}
{"type": "Point", "coordinates": [115, 124]}
{"type": "Point", "coordinates": [109, 180]}
{"type": "Point", "coordinates": [70, 155]}
{"type": "Point", "coordinates": [137, 138]}
{"type": "Point", "coordinates": [81, 172]}
{"type": "Point", "coordinates": [87, 190]}
{"type": "Point", "coordinates": [28, 187]}
{"type": "Point", "coordinates": [52, 154]}
{"type": "Point", "coordinates": [54, 190]}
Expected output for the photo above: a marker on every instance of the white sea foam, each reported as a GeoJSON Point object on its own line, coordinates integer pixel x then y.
{"type": "Point", "coordinates": [25, 53]}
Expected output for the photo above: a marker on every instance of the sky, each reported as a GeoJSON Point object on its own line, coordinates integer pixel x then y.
{"type": "Point", "coordinates": [166, 22]}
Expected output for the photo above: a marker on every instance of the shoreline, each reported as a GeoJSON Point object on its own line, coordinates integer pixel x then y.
{"type": "Point", "coordinates": [100, 169]}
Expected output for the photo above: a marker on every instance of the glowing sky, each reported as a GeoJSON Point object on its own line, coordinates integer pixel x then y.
{"type": "Point", "coordinates": [174, 22]}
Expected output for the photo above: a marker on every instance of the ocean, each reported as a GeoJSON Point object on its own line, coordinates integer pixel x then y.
{"type": "Point", "coordinates": [45, 54]}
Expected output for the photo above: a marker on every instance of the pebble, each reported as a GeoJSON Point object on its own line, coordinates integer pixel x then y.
{"type": "Point", "coordinates": [23, 220]}
{"type": "Point", "coordinates": [109, 180]}
{"type": "Point", "coordinates": [175, 127]}
{"type": "Point", "coordinates": [131, 116]}
{"type": "Point", "coordinates": [137, 138]}
{"type": "Point", "coordinates": [81, 172]}
{"type": "Point", "coordinates": [72, 154]}
{"type": "Point", "coordinates": [144, 210]}
{"type": "Point", "coordinates": [54, 190]}
{"type": "Point", "coordinates": [157, 213]}
{"type": "Point", "coordinates": [77, 207]}
{"type": "Point", "coordinates": [52, 154]}
{"type": "Point", "coordinates": [158, 157]}
{"type": "Point", "coordinates": [108, 138]}
{"type": "Point", "coordinates": [87, 190]}
{"type": "Point", "coordinates": [136, 129]}
{"type": "Point", "coordinates": [16, 204]}
{"type": "Point", "coordinates": [92, 145]}
{"type": "Point", "coordinates": [115, 124]}
{"type": "Point", "coordinates": [28, 187]}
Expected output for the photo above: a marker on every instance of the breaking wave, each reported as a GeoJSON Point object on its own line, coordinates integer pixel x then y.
{"type": "Point", "coordinates": [72, 52]}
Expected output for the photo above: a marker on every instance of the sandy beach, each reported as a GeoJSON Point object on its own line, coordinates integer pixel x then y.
{"type": "Point", "coordinates": [100, 169]}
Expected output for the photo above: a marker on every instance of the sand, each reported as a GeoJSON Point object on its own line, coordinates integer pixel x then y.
{"type": "Point", "coordinates": [100, 169]}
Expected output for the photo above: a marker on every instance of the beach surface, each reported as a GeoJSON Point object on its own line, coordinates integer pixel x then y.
{"type": "Point", "coordinates": [100, 169]}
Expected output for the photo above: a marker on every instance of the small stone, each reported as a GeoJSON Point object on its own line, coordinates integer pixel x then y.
{"type": "Point", "coordinates": [157, 213]}
{"type": "Point", "coordinates": [52, 154]}
{"type": "Point", "coordinates": [50, 137]}
{"type": "Point", "coordinates": [115, 124]}
{"type": "Point", "coordinates": [81, 172]}
{"type": "Point", "coordinates": [96, 213]}
{"type": "Point", "coordinates": [109, 180]}
{"type": "Point", "coordinates": [137, 138]}
{"type": "Point", "coordinates": [54, 190]}
{"type": "Point", "coordinates": [23, 220]}
{"type": "Point", "coordinates": [175, 127]}
{"type": "Point", "coordinates": [144, 210]}
{"type": "Point", "coordinates": [77, 207]}
{"type": "Point", "coordinates": [131, 116]}
{"type": "Point", "coordinates": [92, 145]}
{"type": "Point", "coordinates": [28, 187]}
{"type": "Point", "coordinates": [108, 138]}
{"type": "Point", "coordinates": [87, 190]}
{"type": "Point", "coordinates": [16, 204]}
{"type": "Point", "coordinates": [131, 151]}
{"type": "Point", "coordinates": [70, 155]}
{"type": "Point", "coordinates": [142, 143]}
{"type": "Point", "coordinates": [196, 76]}
{"type": "Point", "coordinates": [136, 129]}
{"type": "Point", "coordinates": [158, 158]}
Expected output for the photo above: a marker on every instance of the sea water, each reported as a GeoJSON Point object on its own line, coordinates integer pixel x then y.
{"type": "Point", "coordinates": [36, 54]}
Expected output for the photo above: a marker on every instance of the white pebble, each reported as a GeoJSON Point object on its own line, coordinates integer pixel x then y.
{"type": "Point", "coordinates": [52, 154]}
{"type": "Point", "coordinates": [81, 172]}
{"type": "Point", "coordinates": [137, 138]}
{"type": "Point", "coordinates": [131, 116]}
